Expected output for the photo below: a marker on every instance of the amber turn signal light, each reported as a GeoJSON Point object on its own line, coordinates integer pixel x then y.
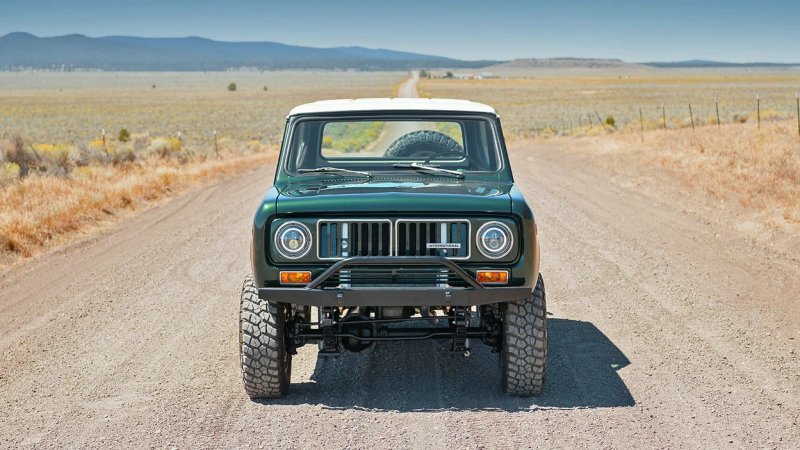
{"type": "Point", "coordinates": [303, 277]}
{"type": "Point", "coordinates": [493, 276]}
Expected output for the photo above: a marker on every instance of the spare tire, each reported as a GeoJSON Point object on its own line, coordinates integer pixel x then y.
{"type": "Point", "coordinates": [424, 144]}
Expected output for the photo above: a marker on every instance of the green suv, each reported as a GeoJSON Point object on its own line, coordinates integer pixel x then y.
{"type": "Point", "coordinates": [393, 219]}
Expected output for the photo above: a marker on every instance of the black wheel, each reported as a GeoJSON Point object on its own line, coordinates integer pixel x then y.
{"type": "Point", "coordinates": [266, 365]}
{"type": "Point", "coordinates": [524, 351]}
{"type": "Point", "coordinates": [424, 144]}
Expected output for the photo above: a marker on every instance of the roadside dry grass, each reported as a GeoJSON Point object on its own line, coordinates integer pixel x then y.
{"type": "Point", "coordinates": [42, 211]}
{"type": "Point", "coordinates": [59, 178]}
{"type": "Point", "coordinates": [759, 168]}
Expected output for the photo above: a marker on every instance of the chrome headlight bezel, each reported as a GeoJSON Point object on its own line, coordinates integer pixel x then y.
{"type": "Point", "coordinates": [286, 228]}
{"type": "Point", "coordinates": [504, 249]}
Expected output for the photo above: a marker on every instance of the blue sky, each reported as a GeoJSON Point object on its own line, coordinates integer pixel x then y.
{"type": "Point", "coordinates": [640, 30]}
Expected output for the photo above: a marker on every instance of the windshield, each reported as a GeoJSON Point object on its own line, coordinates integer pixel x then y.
{"type": "Point", "coordinates": [342, 146]}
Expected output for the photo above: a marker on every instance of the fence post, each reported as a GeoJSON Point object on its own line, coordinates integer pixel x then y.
{"type": "Point", "coordinates": [601, 121]}
{"type": "Point", "coordinates": [797, 97]}
{"type": "Point", "coordinates": [664, 115]}
{"type": "Point", "coordinates": [103, 132]}
{"type": "Point", "coordinates": [716, 105]}
{"type": "Point", "coordinates": [591, 127]}
{"type": "Point", "coordinates": [216, 146]}
{"type": "Point", "coordinates": [758, 111]}
{"type": "Point", "coordinates": [641, 118]}
{"type": "Point", "coordinates": [691, 116]}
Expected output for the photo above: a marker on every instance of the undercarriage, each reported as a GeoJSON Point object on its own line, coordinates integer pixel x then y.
{"type": "Point", "coordinates": [357, 328]}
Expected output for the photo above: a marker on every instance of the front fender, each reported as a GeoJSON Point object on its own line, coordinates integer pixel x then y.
{"type": "Point", "coordinates": [258, 246]}
{"type": "Point", "coordinates": [530, 259]}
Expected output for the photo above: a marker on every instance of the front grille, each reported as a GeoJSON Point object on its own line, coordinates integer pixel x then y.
{"type": "Point", "coordinates": [345, 238]}
{"type": "Point", "coordinates": [451, 236]}
{"type": "Point", "coordinates": [407, 276]}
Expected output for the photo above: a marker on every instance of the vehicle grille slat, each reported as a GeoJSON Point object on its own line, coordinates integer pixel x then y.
{"type": "Point", "coordinates": [413, 237]}
{"type": "Point", "coordinates": [339, 239]}
{"type": "Point", "coordinates": [344, 238]}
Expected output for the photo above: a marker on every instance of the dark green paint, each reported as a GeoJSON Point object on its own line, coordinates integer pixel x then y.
{"type": "Point", "coordinates": [395, 194]}
{"type": "Point", "coordinates": [479, 197]}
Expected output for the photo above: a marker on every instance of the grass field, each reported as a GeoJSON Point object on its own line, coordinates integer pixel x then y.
{"type": "Point", "coordinates": [58, 177]}
{"type": "Point", "coordinates": [756, 167]}
{"type": "Point", "coordinates": [54, 108]}
{"type": "Point", "coordinates": [572, 100]}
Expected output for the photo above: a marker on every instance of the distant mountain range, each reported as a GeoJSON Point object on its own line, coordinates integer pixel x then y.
{"type": "Point", "coordinates": [75, 51]}
{"type": "Point", "coordinates": [126, 53]}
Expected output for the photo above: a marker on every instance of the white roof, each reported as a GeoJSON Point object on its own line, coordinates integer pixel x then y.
{"type": "Point", "coordinates": [391, 104]}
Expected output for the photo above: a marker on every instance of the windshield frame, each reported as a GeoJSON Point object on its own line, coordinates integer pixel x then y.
{"type": "Point", "coordinates": [503, 173]}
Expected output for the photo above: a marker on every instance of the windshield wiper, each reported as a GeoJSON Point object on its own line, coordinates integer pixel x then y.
{"type": "Point", "coordinates": [335, 170]}
{"type": "Point", "coordinates": [429, 169]}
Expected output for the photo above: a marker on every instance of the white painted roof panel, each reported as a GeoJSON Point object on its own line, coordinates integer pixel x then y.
{"type": "Point", "coordinates": [391, 104]}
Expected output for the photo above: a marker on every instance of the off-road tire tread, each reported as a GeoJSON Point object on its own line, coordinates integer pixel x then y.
{"type": "Point", "coordinates": [443, 142]}
{"type": "Point", "coordinates": [266, 366]}
{"type": "Point", "coordinates": [524, 352]}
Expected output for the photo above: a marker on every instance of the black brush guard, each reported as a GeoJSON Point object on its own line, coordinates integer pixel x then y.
{"type": "Point", "coordinates": [471, 293]}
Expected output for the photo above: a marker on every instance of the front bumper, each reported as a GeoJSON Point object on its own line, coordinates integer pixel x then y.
{"type": "Point", "coordinates": [314, 294]}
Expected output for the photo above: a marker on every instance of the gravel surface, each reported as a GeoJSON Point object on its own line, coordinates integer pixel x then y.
{"type": "Point", "coordinates": [671, 327]}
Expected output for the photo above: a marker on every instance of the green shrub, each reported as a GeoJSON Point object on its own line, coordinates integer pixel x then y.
{"type": "Point", "coordinates": [16, 152]}
{"type": "Point", "coordinates": [611, 122]}
{"type": "Point", "coordinates": [122, 155]}
{"type": "Point", "coordinates": [170, 147]}
{"type": "Point", "coordinates": [92, 154]}
{"type": "Point", "coordinates": [124, 135]}
{"type": "Point", "coordinates": [232, 87]}
{"type": "Point", "coordinates": [9, 172]}
{"type": "Point", "coordinates": [55, 159]}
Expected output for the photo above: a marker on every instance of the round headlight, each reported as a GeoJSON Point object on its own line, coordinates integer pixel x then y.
{"type": "Point", "coordinates": [495, 240]}
{"type": "Point", "coordinates": [293, 240]}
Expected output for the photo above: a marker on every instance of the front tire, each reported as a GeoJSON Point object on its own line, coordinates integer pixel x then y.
{"type": "Point", "coordinates": [524, 352]}
{"type": "Point", "coordinates": [266, 365]}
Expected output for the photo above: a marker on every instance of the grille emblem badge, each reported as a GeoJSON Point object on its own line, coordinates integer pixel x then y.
{"type": "Point", "coordinates": [435, 245]}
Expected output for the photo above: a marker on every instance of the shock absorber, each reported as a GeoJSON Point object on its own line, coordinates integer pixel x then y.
{"type": "Point", "coordinates": [329, 344]}
{"type": "Point", "coordinates": [461, 320]}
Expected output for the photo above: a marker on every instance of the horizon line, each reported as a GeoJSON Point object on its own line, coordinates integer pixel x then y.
{"type": "Point", "coordinates": [519, 58]}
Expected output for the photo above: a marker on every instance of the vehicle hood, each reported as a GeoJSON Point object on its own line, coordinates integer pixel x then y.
{"type": "Point", "coordinates": [392, 196]}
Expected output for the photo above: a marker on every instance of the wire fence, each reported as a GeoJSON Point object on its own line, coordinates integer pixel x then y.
{"type": "Point", "coordinates": [662, 117]}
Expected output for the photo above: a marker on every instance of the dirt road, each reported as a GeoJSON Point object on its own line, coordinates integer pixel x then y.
{"type": "Point", "coordinates": [671, 326]}
{"type": "Point", "coordinates": [392, 131]}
